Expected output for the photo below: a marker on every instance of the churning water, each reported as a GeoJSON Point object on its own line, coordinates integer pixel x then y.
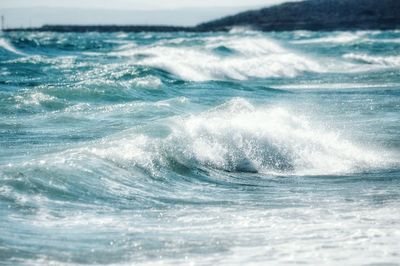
{"type": "Point", "coordinates": [182, 148]}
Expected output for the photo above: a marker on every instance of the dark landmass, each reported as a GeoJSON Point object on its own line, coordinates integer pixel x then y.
{"type": "Point", "coordinates": [306, 15]}
{"type": "Point", "coordinates": [316, 15]}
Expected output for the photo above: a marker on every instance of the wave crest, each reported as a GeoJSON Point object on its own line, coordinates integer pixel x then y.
{"type": "Point", "coordinates": [388, 61]}
{"type": "Point", "coordinates": [253, 57]}
{"type": "Point", "coordinates": [238, 136]}
{"type": "Point", "coordinates": [9, 47]}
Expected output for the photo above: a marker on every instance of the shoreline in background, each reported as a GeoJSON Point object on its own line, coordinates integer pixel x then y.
{"type": "Point", "coordinates": [314, 15]}
{"type": "Point", "coordinates": [162, 28]}
{"type": "Point", "coordinates": [103, 28]}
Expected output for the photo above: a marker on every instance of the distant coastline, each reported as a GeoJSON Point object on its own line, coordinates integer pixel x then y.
{"type": "Point", "coordinates": [104, 28]}
{"type": "Point", "coordinates": [307, 15]}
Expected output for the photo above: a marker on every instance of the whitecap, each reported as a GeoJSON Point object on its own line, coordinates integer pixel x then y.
{"type": "Point", "coordinates": [388, 61]}
{"type": "Point", "coordinates": [254, 57]}
{"type": "Point", "coordinates": [342, 37]}
{"type": "Point", "coordinates": [33, 99]}
{"type": "Point", "coordinates": [197, 65]}
{"type": "Point", "coordinates": [151, 82]}
{"type": "Point", "coordinates": [238, 136]}
{"type": "Point", "coordinates": [9, 47]}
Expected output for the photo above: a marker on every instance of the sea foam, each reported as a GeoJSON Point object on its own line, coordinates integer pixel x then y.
{"type": "Point", "coordinates": [253, 57]}
{"type": "Point", "coordinates": [238, 136]}
{"type": "Point", "coordinates": [387, 61]}
{"type": "Point", "coordinates": [4, 44]}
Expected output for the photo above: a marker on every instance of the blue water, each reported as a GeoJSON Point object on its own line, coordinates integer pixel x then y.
{"type": "Point", "coordinates": [200, 149]}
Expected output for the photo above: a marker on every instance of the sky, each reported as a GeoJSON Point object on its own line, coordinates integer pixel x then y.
{"type": "Point", "coordinates": [34, 13]}
{"type": "Point", "coordinates": [135, 4]}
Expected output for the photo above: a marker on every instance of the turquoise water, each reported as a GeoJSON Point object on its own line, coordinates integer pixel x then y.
{"type": "Point", "coordinates": [200, 149]}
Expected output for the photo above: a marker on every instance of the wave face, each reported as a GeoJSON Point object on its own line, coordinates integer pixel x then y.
{"type": "Point", "coordinates": [238, 137]}
{"type": "Point", "coordinates": [213, 148]}
{"type": "Point", "coordinates": [7, 47]}
{"type": "Point", "coordinates": [231, 57]}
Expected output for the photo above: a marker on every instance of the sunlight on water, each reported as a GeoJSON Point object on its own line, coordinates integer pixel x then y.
{"type": "Point", "coordinates": [202, 149]}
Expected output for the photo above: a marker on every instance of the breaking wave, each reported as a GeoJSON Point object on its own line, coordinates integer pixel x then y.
{"type": "Point", "coordinates": [238, 136]}
{"type": "Point", "coordinates": [338, 38]}
{"type": "Point", "coordinates": [234, 137]}
{"type": "Point", "coordinates": [283, 150]}
{"type": "Point", "coordinates": [224, 58]}
{"type": "Point", "coordinates": [4, 44]}
{"type": "Point", "coordinates": [388, 61]}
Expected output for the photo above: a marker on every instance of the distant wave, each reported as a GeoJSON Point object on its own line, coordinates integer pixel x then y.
{"type": "Point", "coordinates": [238, 55]}
{"type": "Point", "coordinates": [4, 44]}
{"type": "Point", "coordinates": [337, 38]}
{"type": "Point", "coordinates": [32, 99]}
{"type": "Point", "coordinates": [336, 86]}
{"type": "Point", "coordinates": [343, 37]}
{"type": "Point", "coordinates": [389, 61]}
{"type": "Point", "coordinates": [253, 57]}
{"type": "Point", "coordinates": [147, 82]}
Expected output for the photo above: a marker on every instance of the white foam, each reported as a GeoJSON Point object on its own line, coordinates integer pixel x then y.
{"type": "Point", "coordinates": [9, 47]}
{"type": "Point", "coordinates": [343, 37]}
{"type": "Point", "coordinates": [335, 86]}
{"type": "Point", "coordinates": [270, 139]}
{"type": "Point", "coordinates": [247, 45]}
{"type": "Point", "coordinates": [238, 136]}
{"type": "Point", "coordinates": [126, 45]}
{"type": "Point", "coordinates": [61, 62]}
{"type": "Point", "coordinates": [388, 61]}
{"type": "Point", "coordinates": [241, 29]}
{"type": "Point", "coordinates": [151, 82]}
{"type": "Point", "coordinates": [32, 99]}
{"type": "Point", "coordinates": [255, 57]}
{"type": "Point", "coordinates": [198, 66]}
{"type": "Point", "coordinates": [392, 40]}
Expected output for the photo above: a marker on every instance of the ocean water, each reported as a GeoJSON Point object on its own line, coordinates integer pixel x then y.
{"type": "Point", "coordinates": [200, 148]}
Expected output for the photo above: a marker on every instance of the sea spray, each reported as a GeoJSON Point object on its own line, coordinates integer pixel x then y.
{"type": "Point", "coordinates": [199, 148]}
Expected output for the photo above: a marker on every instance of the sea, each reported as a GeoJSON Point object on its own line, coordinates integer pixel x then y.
{"type": "Point", "coordinates": [229, 148]}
